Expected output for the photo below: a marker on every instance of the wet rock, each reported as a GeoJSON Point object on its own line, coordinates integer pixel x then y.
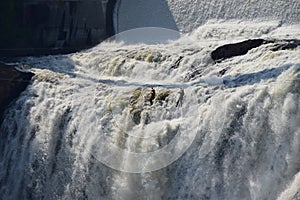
{"type": "Point", "coordinates": [285, 45]}
{"type": "Point", "coordinates": [147, 56]}
{"type": "Point", "coordinates": [241, 48]}
{"type": "Point", "coordinates": [235, 49]}
{"type": "Point", "coordinates": [136, 116]}
{"type": "Point", "coordinates": [180, 97]}
{"type": "Point", "coordinates": [223, 71]}
{"type": "Point", "coordinates": [163, 95]}
{"type": "Point", "coordinates": [176, 64]}
{"type": "Point", "coordinates": [12, 83]}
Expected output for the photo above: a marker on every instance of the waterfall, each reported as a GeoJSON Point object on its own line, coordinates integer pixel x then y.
{"type": "Point", "coordinates": [88, 126]}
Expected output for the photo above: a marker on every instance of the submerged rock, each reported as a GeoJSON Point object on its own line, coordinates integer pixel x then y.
{"type": "Point", "coordinates": [285, 45]}
{"type": "Point", "coordinates": [12, 83]}
{"type": "Point", "coordinates": [177, 63]}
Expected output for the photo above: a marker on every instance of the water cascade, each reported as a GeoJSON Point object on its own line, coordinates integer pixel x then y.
{"type": "Point", "coordinates": [89, 126]}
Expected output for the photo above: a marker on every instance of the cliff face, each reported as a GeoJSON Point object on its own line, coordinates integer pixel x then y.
{"type": "Point", "coordinates": [32, 27]}
{"type": "Point", "coordinates": [12, 83]}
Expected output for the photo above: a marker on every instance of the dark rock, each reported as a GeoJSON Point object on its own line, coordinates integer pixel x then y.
{"type": "Point", "coordinates": [136, 116]}
{"type": "Point", "coordinates": [110, 7]}
{"type": "Point", "coordinates": [285, 45]}
{"type": "Point", "coordinates": [176, 64]}
{"type": "Point", "coordinates": [241, 48]}
{"type": "Point", "coordinates": [12, 83]}
{"type": "Point", "coordinates": [223, 71]}
{"type": "Point", "coordinates": [32, 28]}
{"type": "Point", "coordinates": [194, 74]}
{"type": "Point", "coordinates": [235, 49]}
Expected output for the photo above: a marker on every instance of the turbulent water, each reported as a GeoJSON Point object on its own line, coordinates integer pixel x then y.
{"type": "Point", "coordinates": [88, 128]}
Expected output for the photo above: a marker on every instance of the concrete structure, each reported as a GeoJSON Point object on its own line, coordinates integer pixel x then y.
{"type": "Point", "coordinates": [38, 27]}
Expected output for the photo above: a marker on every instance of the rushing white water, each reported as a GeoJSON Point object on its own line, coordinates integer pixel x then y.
{"type": "Point", "coordinates": [86, 127]}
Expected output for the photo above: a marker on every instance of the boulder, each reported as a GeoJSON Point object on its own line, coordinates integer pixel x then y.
{"type": "Point", "coordinates": [12, 83]}
{"type": "Point", "coordinates": [241, 48]}
{"type": "Point", "coordinates": [235, 49]}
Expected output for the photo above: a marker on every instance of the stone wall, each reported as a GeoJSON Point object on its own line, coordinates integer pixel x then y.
{"type": "Point", "coordinates": [33, 27]}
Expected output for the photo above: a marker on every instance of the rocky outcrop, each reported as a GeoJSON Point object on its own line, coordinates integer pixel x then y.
{"type": "Point", "coordinates": [285, 44]}
{"type": "Point", "coordinates": [31, 27]}
{"type": "Point", "coordinates": [235, 49]}
{"type": "Point", "coordinates": [12, 83]}
{"type": "Point", "coordinates": [241, 48]}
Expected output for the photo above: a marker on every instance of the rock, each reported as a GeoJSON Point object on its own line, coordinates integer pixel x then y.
{"type": "Point", "coordinates": [241, 48]}
{"type": "Point", "coordinates": [163, 95]}
{"type": "Point", "coordinates": [235, 49]}
{"type": "Point", "coordinates": [136, 116]}
{"type": "Point", "coordinates": [147, 56]}
{"type": "Point", "coordinates": [176, 64]}
{"type": "Point", "coordinates": [32, 28]}
{"type": "Point", "coordinates": [12, 83]}
{"type": "Point", "coordinates": [223, 71]}
{"type": "Point", "coordinates": [285, 45]}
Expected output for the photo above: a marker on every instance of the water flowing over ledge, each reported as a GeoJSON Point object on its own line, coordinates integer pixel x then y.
{"type": "Point", "coordinates": [91, 127]}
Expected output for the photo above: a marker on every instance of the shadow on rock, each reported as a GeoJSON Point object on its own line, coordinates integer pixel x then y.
{"type": "Point", "coordinates": [12, 83]}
